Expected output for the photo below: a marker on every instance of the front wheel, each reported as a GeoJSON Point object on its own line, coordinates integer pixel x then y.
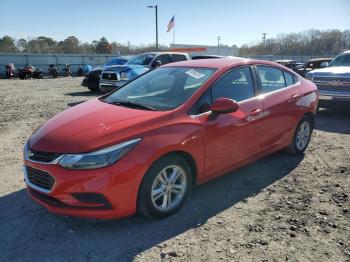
{"type": "Point", "coordinates": [165, 187]}
{"type": "Point", "coordinates": [302, 136]}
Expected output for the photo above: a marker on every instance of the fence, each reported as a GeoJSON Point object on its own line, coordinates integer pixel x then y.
{"type": "Point", "coordinates": [42, 61]}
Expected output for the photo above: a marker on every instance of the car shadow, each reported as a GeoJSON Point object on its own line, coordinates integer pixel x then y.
{"type": "Point", "coordinates": [71, 104]}
{"type": "Point", "coordinates": [44, 235]}
{"type": "Point", "coordinates": [83, 93]}
{"type": "Point", "coordinates": [334, 121]}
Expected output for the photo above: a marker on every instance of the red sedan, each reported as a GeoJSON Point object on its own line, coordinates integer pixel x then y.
{"type": "Point", "coordinates": [144, 146]}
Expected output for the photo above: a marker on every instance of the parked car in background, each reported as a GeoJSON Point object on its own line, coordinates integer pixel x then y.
{"type": "Point", "coordinates": [196, 57]}
{"type": "Point", "coordinates": [113, 77]}
{"type": "Point", "coordinates": [288, 63]}
{"type": "Point", "coordinates": [333, 81]}
{"type": "Point", "coordinates": [142, 147]}
{"type": "Point", "coordinates": [312, 65]}
{"type": "Point", "coordinates": [92, 78]}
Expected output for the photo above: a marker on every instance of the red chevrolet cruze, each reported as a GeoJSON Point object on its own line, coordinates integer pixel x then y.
{"type": "Point", "coordinates": [144, 146]}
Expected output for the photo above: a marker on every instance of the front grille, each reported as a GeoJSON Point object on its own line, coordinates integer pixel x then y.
{"type": "Point", "coordinates": [45, 157]}
{"type": "Point", "coordinates": [330, 88]}
{"type": "Point", "coordinates": [40, 178]}
{"type": "Point", "coordinates": [331, 79]}
{"type": "Point", "coordinates": [333, 84]}
{"type": "Point", "coordinates": [110, 76]}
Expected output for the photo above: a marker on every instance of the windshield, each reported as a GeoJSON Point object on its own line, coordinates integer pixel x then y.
{"type": "Point", "coordinates": [116, 61]}
{"type": "Point", "coordinates": [163, 88]}
{"type": "Point", "coordinates": [342, 60]}
{"type": "Point", "coordinates": [143, 59]}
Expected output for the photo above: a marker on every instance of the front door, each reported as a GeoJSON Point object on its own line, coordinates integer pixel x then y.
{"type": "Point", "coordinates": [233, 138]}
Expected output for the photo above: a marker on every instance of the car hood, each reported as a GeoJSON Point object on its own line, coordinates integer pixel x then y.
{"type": "Point", "coordinates": [123, 68]}
{"type": "Point", "coordinates": [97, 68]}
{"type": "Point", "coordinates": [333, 70]}
{"type": "Point", "coordinates": [93, 125]}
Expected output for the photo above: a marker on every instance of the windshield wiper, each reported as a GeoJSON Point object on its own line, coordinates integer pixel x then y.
{"type": "Point", "coordinates": [132, 105]}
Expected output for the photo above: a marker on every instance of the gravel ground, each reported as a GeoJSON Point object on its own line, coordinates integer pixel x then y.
{"type": "Point", "coordinates": [281, 208]}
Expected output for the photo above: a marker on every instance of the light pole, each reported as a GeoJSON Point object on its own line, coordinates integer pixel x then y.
{"type": "Point", "coordinates": [156, 8]}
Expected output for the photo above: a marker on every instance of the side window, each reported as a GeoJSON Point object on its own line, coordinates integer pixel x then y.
{"type": "Point", "coordinates": [295, 79]}
{"type": "Point", "coordinates": [164, 59]}
{"type": "Point", "coordinates": [237, 84]}
{"type": "Point", "coordinates": [177, 58]}
{"type": "Point", "coordinates": [202, 105]}
{"type": "Point", "coordinates": [272, 78]}
{"type": "Point", "coordinates": [289, 78]}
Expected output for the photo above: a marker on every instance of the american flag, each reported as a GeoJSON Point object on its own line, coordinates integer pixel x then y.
{"type": "Point", "coordinates": [171, 24]}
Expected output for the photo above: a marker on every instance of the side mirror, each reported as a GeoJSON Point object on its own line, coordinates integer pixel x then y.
{"type": "Point", "coordinates": [324, 64]}
{"type": "Point", "coordinates": [157, 63]}
{"type": "Point", "coordinates": [224, 105]}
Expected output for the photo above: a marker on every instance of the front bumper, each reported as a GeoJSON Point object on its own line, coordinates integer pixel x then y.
{"type": "Point", "coordinates": [115, 186]}
{"type": "Point", "coordinates": [109, 86]}
{"type": "Point", "coordinates": [329, 99]}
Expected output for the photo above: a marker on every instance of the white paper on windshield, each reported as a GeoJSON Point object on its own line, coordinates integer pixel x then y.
{"type": "Point", "coordinates": [195, 74]}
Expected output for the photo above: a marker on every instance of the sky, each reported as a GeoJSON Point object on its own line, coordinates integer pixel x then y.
{"type": "Point", "coordinates": [196, 22]}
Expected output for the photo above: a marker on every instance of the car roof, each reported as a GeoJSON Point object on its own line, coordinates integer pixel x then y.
{"type": "Point", "coordinates": [320, 59]}
{"type": "Point", "coordinates": [284, 61]}
{"type": "Point", "coordinates": [221, 63]}
{"type": "Point", "coordinates": [161, 53]}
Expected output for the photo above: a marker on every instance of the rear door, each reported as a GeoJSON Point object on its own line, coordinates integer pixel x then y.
{"type": "Point", "coordinates": [231, 138]}
{"type": "Point", "coordinates": [279, 91]}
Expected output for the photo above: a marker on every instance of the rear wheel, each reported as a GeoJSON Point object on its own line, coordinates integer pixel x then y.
{"type": "Point", "coordinates": [165, 187]}
{"type": "Point", "coordinates": [302, 136]}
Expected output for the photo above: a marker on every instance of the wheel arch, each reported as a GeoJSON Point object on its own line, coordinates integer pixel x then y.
{"type": "Point", "coordinates": [311, 116]}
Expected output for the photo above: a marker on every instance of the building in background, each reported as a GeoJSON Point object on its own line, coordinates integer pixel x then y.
{"type": "Point", "coordinates": [194, 50]}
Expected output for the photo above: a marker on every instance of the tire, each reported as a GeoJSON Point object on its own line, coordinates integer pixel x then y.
{"type": "Point", "coordinates": [160, 170]}
{"type": "Point", "coordinates": [27, 76]}
{"type": "Point", "coordinates": [302, 136]}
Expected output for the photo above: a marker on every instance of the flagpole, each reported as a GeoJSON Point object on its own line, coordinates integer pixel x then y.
{"type": "Point", "coordinates": [174, 31]}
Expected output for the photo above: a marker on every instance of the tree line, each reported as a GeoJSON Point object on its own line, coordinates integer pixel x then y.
{"type": "Point", "coordinates": [311, 42]}
{"type": "Point", "coordinates": [70, 45]}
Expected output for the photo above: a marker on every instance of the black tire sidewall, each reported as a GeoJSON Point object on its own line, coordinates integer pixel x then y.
{"type": "Point", "coordinates": [145, 205]}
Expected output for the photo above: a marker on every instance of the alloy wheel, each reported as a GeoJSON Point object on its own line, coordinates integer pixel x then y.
{"type": "Point", "coordinates": [169, 188]}
{"type": "Point", "coordinates": [303, 135]}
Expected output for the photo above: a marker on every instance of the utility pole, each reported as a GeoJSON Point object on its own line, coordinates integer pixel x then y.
{"type": "Point", "coordinates": [156, 9]}
{"type": "Point", "coordinates": [219, 41]}
{"type": "Point", "coordinates": [264, 38]}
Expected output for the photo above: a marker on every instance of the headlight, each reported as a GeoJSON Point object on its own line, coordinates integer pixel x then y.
{"type": "Point", "coordinates": [101, 158]}
{"type": "Point", "coordinates": [124, 76]}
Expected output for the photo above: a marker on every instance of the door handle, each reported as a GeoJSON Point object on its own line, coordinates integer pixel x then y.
{"type": "Point", "coordinates": [255, 112]}
{"type": "Point", "coordinates": [294, 97]}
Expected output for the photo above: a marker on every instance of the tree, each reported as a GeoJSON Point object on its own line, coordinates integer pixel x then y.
{"type": "Point", "coordinates": [102, 46]}
{"type": "Point", "coordinates": [42, 44]}
{"type": "Point", "coordinates": [7, 44]}
{"type": "Point", "coordinates": [70, 45]}
{"type": "Point", "coordinates": [22, 44]}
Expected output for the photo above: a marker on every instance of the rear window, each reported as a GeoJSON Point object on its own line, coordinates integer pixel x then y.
{"type": "Point", "coordinates": [271, 78]}
{"type": "Point", "coordinates": [289, 78]}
